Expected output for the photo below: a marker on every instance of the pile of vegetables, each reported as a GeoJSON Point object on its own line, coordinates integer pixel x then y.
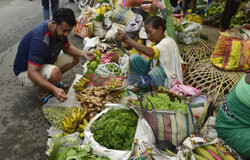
{"type": "Point", "coordinates": [214, 8]}
{"type": "Point", "coordinates": [162, 101]}
{"type": "Point", "coordinates": [78, 153]}
{"type": "Point", "coordinates": [112, 55]}
{"type": "Point", "coordinates": [115, 129]}
{"type": "Point", "coordinates": [115, 70]}
{"type": "Point", "coordinates": [201, 5]}
{"type": "Point", "coordinates": [182, 26]}
{"type": "Point", "coordinates": [114, 82]}
{"type": "Point", "coordinates": [93, 99]}
{"type": "Point", "coordinates": [238, 20]}
{"type": "Point", "coordinates": [92, 66]}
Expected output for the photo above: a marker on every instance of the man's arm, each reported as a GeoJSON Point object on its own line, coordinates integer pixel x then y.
{"type": "Point", "coordinates": [35, 76]}
{"type": "Point", "coordinates": [73, 51]}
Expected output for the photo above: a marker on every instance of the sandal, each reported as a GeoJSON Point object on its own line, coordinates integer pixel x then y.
{"type": "Point", "coordinates": [45, 99]}
{"type": "Point", "coordinates": [61, 85]}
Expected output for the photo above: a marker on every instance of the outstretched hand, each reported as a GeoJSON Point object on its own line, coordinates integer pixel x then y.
{"type": "Point", "coordinates": [89, 55]}
{"type": "Point", "coordinates": [60, 94]}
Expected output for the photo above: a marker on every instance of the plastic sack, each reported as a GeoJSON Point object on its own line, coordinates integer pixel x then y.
{"type": "Point", "coordinates": [55, 111]}
{"type": "Point", "coordinates": [134, 24]}
{"type": "Point", "coordinates": [172, 126]}
{"type": "Point", "coordinates": [106, 20]}
{"type": "Point", "coordinates": [83, 28]}
{"type": "Point", "coordinates": [65, 142]}
{"type": "Point", "coordinates": [103, 71]}
{"type": "Point", "coordinates": [208, 129]}
{"type": "Point", "coordinates": [146, 151]}
{"type": "Point", "coordinates": [188, 38]}
{"type": "Point", "coordinates": [143, 132]}
{"type": "Point", "coordinates": [191, 34]}
{"type": "Point", "coordinates": [90, 43]}
{"type": "Point", "coordinates": [121, 15]}
{"type": "Point", "coordinates": [110, 35]}
{"type": "Point", "coordinates": [199, 106]}
{"type": "Point", "coordinates": [232, 52]}
{"type": "Point", "coordinates": [124, 64]}
{"type": "Point", "coordinates": [183, 90]}
{"type": "Point", "coordinates": [99, 30]}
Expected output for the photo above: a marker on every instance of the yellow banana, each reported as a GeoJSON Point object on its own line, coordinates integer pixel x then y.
{"type": "Point", "coordinates": [85, 122]}
{"type": "Point", "coordinates": [82, 134]}
{"type": "Point", "coordinates": [78, 114]}
{"type": "Point", "coordinates": [67, 119]}
{"type": "Point", "coordinates": [81, 127]}
{"type": "Point", "coordinates": [65, 133]}
{"type": "Point", "coordinates": [83, 115]}
{"type": "Point", "coordinates": [205, 154]}
{"type": "Point", "coordinates": [65, 125]}
{"type": "Point", "coordinates": [74, 114]}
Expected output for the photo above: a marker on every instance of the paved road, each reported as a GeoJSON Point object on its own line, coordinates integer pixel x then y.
{"type": "Point", "coordinates": [23, 128]}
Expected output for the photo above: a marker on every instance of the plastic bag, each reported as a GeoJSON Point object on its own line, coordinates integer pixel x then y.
{"type": "Point", "coordinates": [134, 24]}
{"type": "Point", "coordinates": [99, 30]}
{"type": "Point", "coordinates": [232, 51]}
{"type": "Point", "coordinates": [103, 71]}
{"type": "Point", "coordinates": [83, 27]}
{"type": "Point", "coordinates": [110, 35]}
{"type": "Point", "coordinates": [90, 43]}
{"type": "Point", "coordinates": [191, 34]}
{"type": "Point", "coordinates": [143, 132]}
{"type": "Point", "coordinates": [65, 142]}
{"type": "Point", "coordinates": [124, 64]}
{"type": "Point", "coordinates": [55, 111]}
{"type": "Point", "coordinates": [145, 151]}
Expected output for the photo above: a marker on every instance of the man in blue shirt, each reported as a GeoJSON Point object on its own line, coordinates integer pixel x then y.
{"type": "Point", "coordinates": [38, 60]}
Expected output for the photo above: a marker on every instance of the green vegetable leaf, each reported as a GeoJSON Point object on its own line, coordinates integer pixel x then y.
{"type": "Point", "coordinates": [71, 152]}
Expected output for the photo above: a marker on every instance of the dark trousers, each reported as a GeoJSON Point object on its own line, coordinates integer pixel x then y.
{"type": "Point", "coordinates": [230, 10]}
{"type": "Point", "coordinates": [186, 4]}
{"type": "Point", "coordinates": [54, 7]}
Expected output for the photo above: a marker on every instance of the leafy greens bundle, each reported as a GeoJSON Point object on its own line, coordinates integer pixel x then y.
{"type": "Point", "coordinates": [115, 129]}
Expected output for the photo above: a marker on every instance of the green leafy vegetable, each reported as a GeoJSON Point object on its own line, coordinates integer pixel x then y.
{"type": "Point", "coordinates": [162, 101]}
{"type": "Point", "coordinates": [116, 129]}
{"type": "Point", "coordinates": [77, 153]}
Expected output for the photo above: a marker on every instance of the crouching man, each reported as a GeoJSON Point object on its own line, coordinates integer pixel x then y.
{"type": "Point", "coordinates": [38, 61]}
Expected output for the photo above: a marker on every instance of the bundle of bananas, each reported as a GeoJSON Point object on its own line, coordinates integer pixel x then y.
{"type": "Point", "coordinates": [55, 115]}
{"type": "Point", "coordinates": [75, 122]}
{"type": "Point", "coordinates": [210, 152]}
{"type": "Point", "coordinates": [79, 86]}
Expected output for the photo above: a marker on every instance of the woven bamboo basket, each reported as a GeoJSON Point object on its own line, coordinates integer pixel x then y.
{"type": "Point", "coordinates": [196, 52]}
{"type": "Point", "coordinates": [210, 80]}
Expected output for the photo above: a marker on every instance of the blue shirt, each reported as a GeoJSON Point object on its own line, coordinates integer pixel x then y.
{"type": "Point", "coordinates": [38, 47]}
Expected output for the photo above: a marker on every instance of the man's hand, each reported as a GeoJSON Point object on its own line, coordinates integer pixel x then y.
{"type": "Point", "coordinates": [88, 55]}
{"type": "Point", "coordinates": [60, 94]}
{"type": "Point", "coordinates": [121, 36]}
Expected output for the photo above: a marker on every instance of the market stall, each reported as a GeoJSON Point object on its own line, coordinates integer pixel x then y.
{"type": "Point", "coordinates": [107, 117]}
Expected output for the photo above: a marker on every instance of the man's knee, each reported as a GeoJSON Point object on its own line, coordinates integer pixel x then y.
{"type": "Point", "coordinates": [56, 74]}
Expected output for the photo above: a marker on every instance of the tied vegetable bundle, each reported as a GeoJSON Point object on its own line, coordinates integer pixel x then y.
{"type": "Point", "coordinates": [115, 129]}
{"type": "Point", "coordinates": [162, 101]}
